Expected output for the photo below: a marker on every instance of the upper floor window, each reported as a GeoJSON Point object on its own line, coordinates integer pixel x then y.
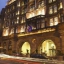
{"type": "Point", "coordinates": [5, 31]}
{"type": "Point", "coordinates": [18, 4]}
{"type": "Point", "coordinates": [22, 28]}
{"type": "Point", "coordinates": [55, 8]}
{"type": "Point", "coordinates": [42, 23]}
{"type": "Point", "coordinates": [50, 10]}
{"type": "Point", "coordinates": [51, 22]}
{"type": "Point", "coordinates": [32, 7]}
{"type": "Point", "coordinates": [54, 21]}
{"type": "Point", "coordinates": [41, 4]}
{"type": "Point", "coordinates": [50, 1]}
{"type": "Point", "coordinates": [22, 3]}
{"type": "Point", "coordinates": [11, 31]}
{"type": "Point", "coordinates": [22, 19]}
{"type": "Point", "coordinates": [61, 6]}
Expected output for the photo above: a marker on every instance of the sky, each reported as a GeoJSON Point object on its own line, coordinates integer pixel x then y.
{"type": "Point", "coordinates": [2, 4]}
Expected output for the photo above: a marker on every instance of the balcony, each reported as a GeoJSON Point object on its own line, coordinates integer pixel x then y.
{"type": "Point", "coordinates": [36, 17]}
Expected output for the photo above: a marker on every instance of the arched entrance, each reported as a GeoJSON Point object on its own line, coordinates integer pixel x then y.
{"type": "Point", "coordinates": [48, 47]}
{"type": "Point", "coordinates": [25, 48]}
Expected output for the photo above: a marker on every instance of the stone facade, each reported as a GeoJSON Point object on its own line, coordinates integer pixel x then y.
{"type": "Point", "coordinates": [47, 23]}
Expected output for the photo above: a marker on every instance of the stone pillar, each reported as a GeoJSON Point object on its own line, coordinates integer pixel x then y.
{"type": "Point", "coordinates": [14, 47]}
{"type": "Point", "coordinates": [62, 43]}
{"type": "Point", "coordinates": [33, 46]}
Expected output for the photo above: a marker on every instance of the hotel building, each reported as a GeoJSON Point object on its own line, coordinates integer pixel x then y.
{"type": "Point", "coordinates": [31, 25]}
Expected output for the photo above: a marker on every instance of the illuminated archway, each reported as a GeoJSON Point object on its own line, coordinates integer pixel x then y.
{"type": "Point", "coordinates": [25, 48]}
{"type": "Point", "coordinates": [48, 47]}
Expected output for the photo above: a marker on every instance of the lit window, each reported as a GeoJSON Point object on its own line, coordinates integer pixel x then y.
{"type": "Point", "coordinates": [41, 4]}
{"type": "Point", "coordinates": [16, 30]}
{"type": "Point", "coordinates": [32, 7]}
{"type": "Point", "coordinates": [22, 20]}
{"type": "Point", "coordinates": [12, 31]}
{"type": "Point", "coordinates": [43, 11]}
{"type": "Point", "coordinates": [18, 12]}
{"type": "Point", "coordinates": [55, 8]}
{"type": "Point", "coordinates": [22, 29]}
{"type": "Point", "coordinates": [51, 22]}
{"type": "Point", "coordinates": [55, 20]}
{"type": "Point", "coordinates": [42, 24]}
{"type": "Point", "coordinates": [61, 6]}
{"type": "Point", "coordinates": [50, 1]}
{"type": "Point", "coordinates": [22, 3]}
{"type": "Point", "coordinates": [17, 20]}
{"type": "Point", "coordinates": [18, 4]}
{"type": "Point", "coordinates": [6, 32]}
{"type": "Point", "coordinates": [50, 10]}
{"type": "Point", "coordinates": [22, 12]}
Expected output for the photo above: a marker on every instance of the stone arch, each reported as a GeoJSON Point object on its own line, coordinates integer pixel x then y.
{"type": "Point", "coordinates": [25, 48]}
{"type": "Point", "coordinates": [20, 44]}
{"type": "Point", "coordinates": [56, 41]}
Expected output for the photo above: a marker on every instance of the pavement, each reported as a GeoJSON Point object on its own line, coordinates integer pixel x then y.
{"type": "Point", "coordinates": [7, 59]}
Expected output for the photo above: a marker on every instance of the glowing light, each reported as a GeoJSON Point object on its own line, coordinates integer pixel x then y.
{"type": "Point", "coordinates": [61, 6]}
{"type": "Point", "coordinates": [48, 46]}
{"type": "Point", "coordinates": [40, 31]}
{"type": "Point", "coordinates": [22, 29]}
{"type": "Point", "coordinates": [40, 11]}
{"type": "Point", "coordinates": [25, 47]}
{"type": "Point", "coordinates": [6, 32]}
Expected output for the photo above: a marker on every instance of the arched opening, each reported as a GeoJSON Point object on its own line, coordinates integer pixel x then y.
{"type": "Point", "coordinates": [25, 48]}
{"type": "Point", "coordinates": [48, 47]}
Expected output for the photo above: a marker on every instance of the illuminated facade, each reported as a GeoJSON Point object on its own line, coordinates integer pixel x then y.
{"type": "Point", "coordinates": [33, 24]}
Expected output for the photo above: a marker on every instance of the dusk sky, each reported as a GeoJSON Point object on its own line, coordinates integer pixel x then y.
{"type": "Point", "coordinates": [2, 4]}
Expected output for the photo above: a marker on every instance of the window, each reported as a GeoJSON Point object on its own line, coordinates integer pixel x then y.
{"type": "Point", "coordinates": [6, 32]}
{"type": "Point", "coordinates": [30, 0]}
{"type": "Point", "coordinates": [22, 19]}
{"type": "Point", "coordinates": [50, 10]}
{"type": "Point", "coordinates": [22, 3]}
{"type": "Point", "coordinates": [18, 12]}
{"type": "Point", "coordinates": [61, 6]}
{"type": "Point", "coordinates": [50, 1]}
{"type": "Point", "coordinates": [22, 29]}
{"type": "Point", "coordinates": [18, 4]}
{"type": "Point", "coordinates": [38, 24]}
{"type": "Point", "coordinates": [42, 24]}
{"type": "Point", "coordinates": [22, 11]}
{"type": "Point", "coordinates": [41, 4]}
{"type": "Point", "coordinates": [55, 20]}
{"type": "Point", "coordinates": [12, 31]}
{"type": "Point", "coordinates": [55, 8]}
{"type": "Point", "coordinates": [17, 20]}
{"type": "Point", "coordinates": [32, 7]}
{"type": "Point", "coordinates": [51, 22]}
